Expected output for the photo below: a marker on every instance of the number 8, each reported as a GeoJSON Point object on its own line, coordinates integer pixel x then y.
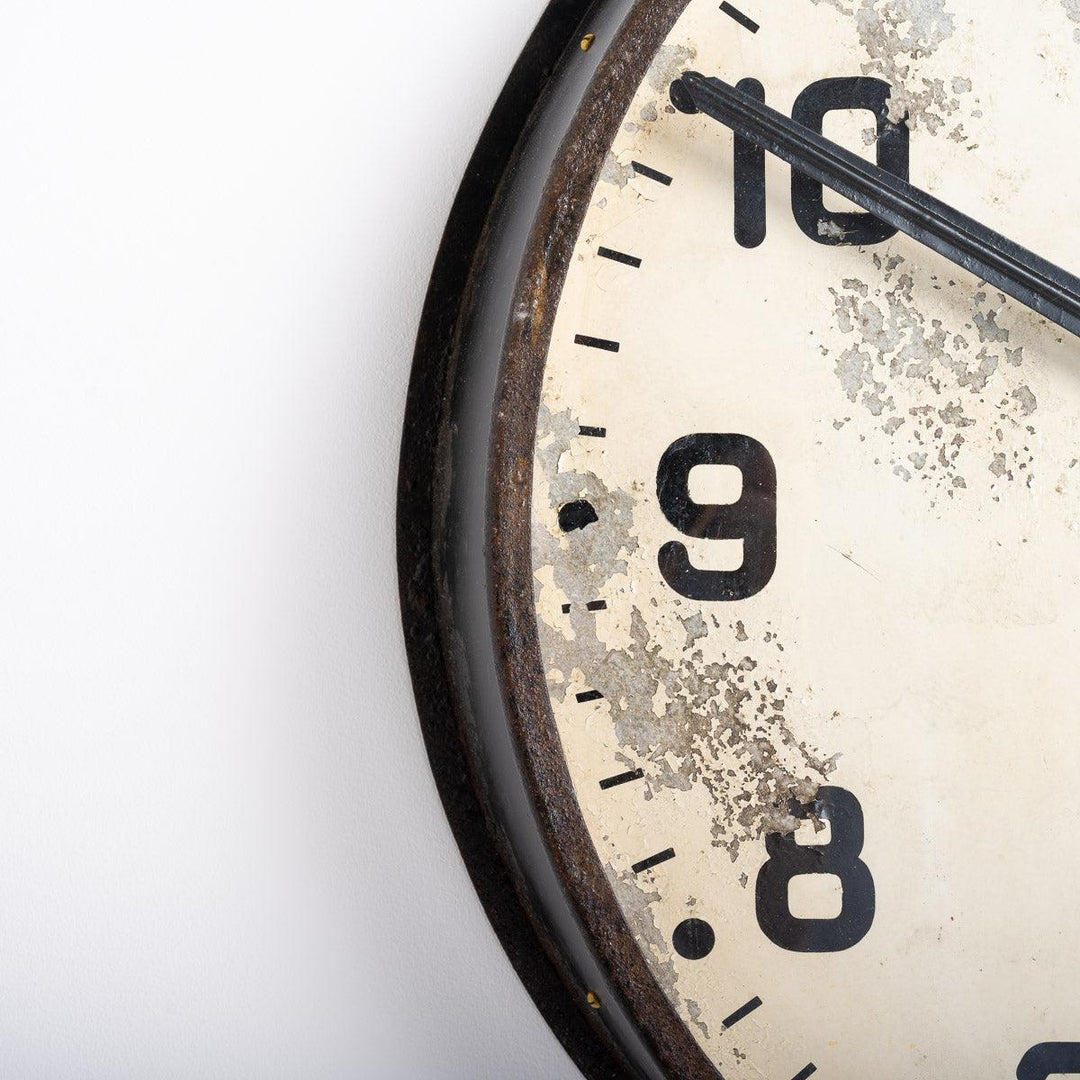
{"type": "Point", "coordinates": [789, 859]}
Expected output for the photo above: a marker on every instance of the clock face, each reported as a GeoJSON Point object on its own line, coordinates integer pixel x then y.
{"type": "Point", "coordinates": [787, 510]}
{"type": "Point", "coordinates": [806, 546]}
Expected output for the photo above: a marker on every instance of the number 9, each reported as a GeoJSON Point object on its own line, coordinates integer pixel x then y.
{"type": "Point", "coordinates": [752, 519]}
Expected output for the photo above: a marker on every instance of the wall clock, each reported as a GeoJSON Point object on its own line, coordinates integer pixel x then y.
{"type": "Point", "coordinates": [739, 535]}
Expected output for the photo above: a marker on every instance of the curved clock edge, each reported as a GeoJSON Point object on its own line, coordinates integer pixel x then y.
{"type": "Point", "coordinates": [520, 384]}
{"type": "Point", "coordinates": [550, 989]}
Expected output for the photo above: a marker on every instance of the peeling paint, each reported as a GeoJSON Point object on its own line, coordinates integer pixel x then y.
{"type": "Point", "coordinates": [671, 61]}
{"type": "Point", "coordinates": [905, 408]}
{"type": "Point", "coordinates": [898, 36]}
{"type": "Point", "coordinates": [830, 229]}
{"type": "Point", "coordinates": [585, 562]}
{"type": "Point", "coordinates": [950, 397]}
{"type": "Point", "coordinates": [636, 899]}
{"type": "Point", "coordinates": [726, 724]}
{"type": "Point", "coordinates": [614, 172]}
{"type": "Point", "coordinates": [1072, 10]}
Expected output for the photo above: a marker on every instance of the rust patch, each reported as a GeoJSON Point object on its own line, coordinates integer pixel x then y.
{"type": "Point", "coordinates": [555, 232]}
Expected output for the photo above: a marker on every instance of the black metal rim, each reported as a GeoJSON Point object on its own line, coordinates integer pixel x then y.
{"type": "Point", "coordinates": [557, 31]}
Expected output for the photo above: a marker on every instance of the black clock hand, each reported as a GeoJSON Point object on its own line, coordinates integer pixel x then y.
{"type": "Point", "coordinates": [1042, 286]}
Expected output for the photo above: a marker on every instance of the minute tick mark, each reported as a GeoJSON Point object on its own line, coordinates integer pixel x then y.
{"type": "Point", "coordinates": [596, 343]}
{"type": "Point", "coordinates": [807, 1072]}
{"type": "Point", "coordinates": [651, 174]}
{"type": "Point", "coordinates": [622, 778]}
{"type": "Point", "coordinates": [741, 1014]}
{"type": "Point", "coordinates": [743, 20]}
{"type": "Point", "coordinates": [619, 257]}
{"type": "Point", "coordinates": [655, 860]}
{"type": "Point", "coordinates": [589, 695]}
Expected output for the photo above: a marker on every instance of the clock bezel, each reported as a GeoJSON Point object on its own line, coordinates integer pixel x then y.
{"type": "Point", "coordinates": [555, 235]}
{"type": "Point", "coordinates": [514, 814]}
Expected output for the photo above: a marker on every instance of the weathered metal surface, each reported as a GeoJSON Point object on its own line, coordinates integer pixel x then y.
{"type": "Point", "coordinates": [421, 519]}
{"type": "Point", "coordinates": [907, 406]}
{"type": "Point", "coordinates": [527, 700]}
{"type": "Point", "coordinates": [923, 427]}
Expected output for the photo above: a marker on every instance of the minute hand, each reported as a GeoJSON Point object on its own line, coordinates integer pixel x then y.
{"type": "Point", "coordinates": [1026, 277]}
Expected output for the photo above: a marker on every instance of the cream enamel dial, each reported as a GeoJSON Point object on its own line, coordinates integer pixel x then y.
{"type": "Point", "coordinates": [739, 534]}
{"type": "Point", "coordinates": [806, 533]}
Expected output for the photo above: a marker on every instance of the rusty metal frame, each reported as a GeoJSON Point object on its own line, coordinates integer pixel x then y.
{"type": "Point", "coordinates": [503, 780]}
{"type": "Point", "coordinates": [528, 703]}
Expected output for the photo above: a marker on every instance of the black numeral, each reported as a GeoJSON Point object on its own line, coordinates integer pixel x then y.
{"type": "Point", "coordinates": [749, 181]}
{"type": "Point", "coordinates": [1050, 1059]}
{"type": "Point", "coordinates": [807, 196]}
{"type": "Point", "coordinates": [752, 519]}
{"type": "Point", "coordinates": [893, 154]}
{"type": "Point", "coordinates": [788, 859]}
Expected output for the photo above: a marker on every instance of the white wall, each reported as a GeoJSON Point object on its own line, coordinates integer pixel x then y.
{"type": "Point", "coordinates": [221, 852]}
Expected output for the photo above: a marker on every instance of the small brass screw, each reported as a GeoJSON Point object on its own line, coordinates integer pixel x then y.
{"type": "Point", "coordinates": [587, 42]}
{"type": "Point", "coordinates": [594, 1001]}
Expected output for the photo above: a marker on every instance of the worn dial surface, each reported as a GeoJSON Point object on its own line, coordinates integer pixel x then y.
{"type": "Point", "coordinates": [806, 550]}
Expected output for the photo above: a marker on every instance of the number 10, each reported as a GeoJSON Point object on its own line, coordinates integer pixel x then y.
{"type": "Point", "coordinates": [807, 197]}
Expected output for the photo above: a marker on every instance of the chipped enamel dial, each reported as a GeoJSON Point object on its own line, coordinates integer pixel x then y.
{"type": "Point", "coordinates": [914, 644]}
{"type": "Point", "coordinates": [804, 550]}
